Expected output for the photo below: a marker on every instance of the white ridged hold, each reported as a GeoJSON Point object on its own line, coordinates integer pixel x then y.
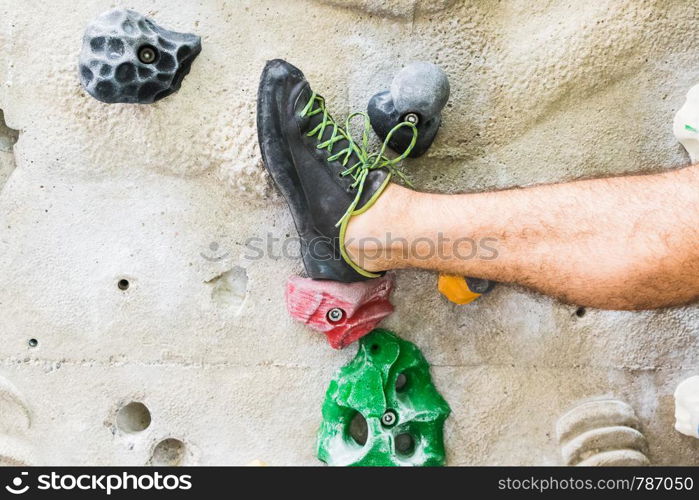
{"type": "Point", "coordinates": [603, 432]}
{"type": "Point", "coordinates": [15, 422]}
{"type": "Point", "coordinates": [687, 407]}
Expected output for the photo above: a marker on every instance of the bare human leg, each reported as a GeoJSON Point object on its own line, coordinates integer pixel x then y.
{"type": "Point", "coordinates": [618, 243]}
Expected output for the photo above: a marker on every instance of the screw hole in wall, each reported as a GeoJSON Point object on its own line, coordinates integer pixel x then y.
{"type": "Point", "coordinates": [33, 342]}
{"type": "Point", "coordinates": [133, 417]}
{"type": "Point", "coordinates": [169, 452]}
{"type": "Point", "coordinates": [123, 284]}
{"type": "Point", "coordinates": [580, 312]}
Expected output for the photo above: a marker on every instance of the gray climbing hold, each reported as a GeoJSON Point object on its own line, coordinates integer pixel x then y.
{"type": "Point", "coordinates": [417, 95]}
{"type": "Point", "coordinates": [126, 57]}
{"type": "Point", "coordinates": [421, 88]}
{"type": "Point", "coordinates": [478, 285]}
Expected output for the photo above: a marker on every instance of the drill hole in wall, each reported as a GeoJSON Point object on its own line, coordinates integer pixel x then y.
{"type": "Point", "coordinates": [133, 417]}
{"type": "Point", "coordinates": [33, 342]}
{"type": "Point", "coordinates": [123, 284]}
{"type": "Point", "coordinates": [169, 452]}
{"type": "Point", "coordinates": [580, 312]}
{"type": "Point", "coordinates": [358, 429]}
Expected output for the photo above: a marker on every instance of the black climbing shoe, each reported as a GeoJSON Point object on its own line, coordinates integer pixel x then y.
{"type": "Point", "coordinates": [384, 117]}
{"type": "Point", "coordinates": [324, 175]}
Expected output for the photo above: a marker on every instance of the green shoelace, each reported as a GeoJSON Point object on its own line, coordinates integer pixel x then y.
{"type": "Point", "coordinates": [366, 161]}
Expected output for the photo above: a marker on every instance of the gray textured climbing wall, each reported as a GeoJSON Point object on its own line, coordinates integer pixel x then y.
{"type": "Point", "coordinates": [127, 277]}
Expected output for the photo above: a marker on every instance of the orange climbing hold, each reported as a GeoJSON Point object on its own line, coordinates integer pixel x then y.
{"type": "Point", "coordinates": [455, 288]}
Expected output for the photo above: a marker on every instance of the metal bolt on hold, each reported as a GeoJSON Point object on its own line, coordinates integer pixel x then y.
{"type": "Point", "coordinates": [335, 314]}
{"type": "Point", "coordinates": [389, 418]}
{"type": "Point", "coordinates": [412, 118]}
{"type": "Point", "coordinates": [147, 54]}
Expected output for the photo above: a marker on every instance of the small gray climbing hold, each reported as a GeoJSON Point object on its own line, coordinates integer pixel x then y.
{"type": "Point", "coordinates": [417, 95]}
{"type": "Point", "coordinates": [479, 285]}
{"type": "Point", "coordinates": [126, 57]}
{"type": "Point", "coordinates": [421, 88]}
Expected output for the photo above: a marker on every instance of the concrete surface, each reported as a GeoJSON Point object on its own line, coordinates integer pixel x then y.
{"type": "Point", "coordinates": [165, 196]}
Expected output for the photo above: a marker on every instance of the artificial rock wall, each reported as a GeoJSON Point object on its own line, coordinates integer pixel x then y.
{"type": "Point", "coordinates": [126, 276]}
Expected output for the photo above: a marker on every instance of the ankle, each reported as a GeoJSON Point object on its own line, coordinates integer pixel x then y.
{"type": "Point", "coordinates": [368, 235]}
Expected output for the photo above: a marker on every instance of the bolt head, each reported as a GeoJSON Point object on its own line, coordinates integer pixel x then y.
{"type": "Point", "coordinates": [335, 314]}
{"type": "Point", "coordinates": [147, 54]}
{"type": "Point", "coordinates": [389, 418]}
{"type": "Point", "coordinates": [412, 118]}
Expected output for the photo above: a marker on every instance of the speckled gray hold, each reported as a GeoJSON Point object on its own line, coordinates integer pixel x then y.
{"type": "Point", "coordinates": [421, 88]}
{"type": "Point", "coordinates": [126, 57]}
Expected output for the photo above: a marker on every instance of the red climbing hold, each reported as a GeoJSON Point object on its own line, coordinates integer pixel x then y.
{"type": "Point", "coordinates": [344, 312]}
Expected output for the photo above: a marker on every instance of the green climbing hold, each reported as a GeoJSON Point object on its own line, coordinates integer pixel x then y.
{"type": "Point", "coordinates": [382, 409]}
